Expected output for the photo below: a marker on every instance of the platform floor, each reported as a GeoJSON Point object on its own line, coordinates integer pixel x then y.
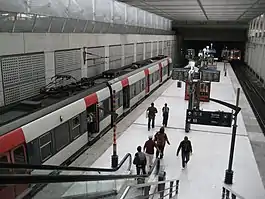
{"type": "Point", "coordinates": [203, 178]}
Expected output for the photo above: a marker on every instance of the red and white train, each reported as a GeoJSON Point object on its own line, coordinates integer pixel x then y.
{"type": "Point", "coordinates": [52, 135]}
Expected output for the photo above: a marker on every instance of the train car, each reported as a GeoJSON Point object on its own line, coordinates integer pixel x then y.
{"type": "Point", "coordinates": [53, 134]}
{"type": "Point", "coordinates": [231, 54]}
{"type": "Point", "coordinates": [235, 55]}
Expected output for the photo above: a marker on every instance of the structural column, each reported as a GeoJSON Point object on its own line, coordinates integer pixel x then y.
{"type": "Point", "coordinates": [157, 47]}
{"type": "Point", "coordinates": [122, 55]}
{"type": "Point", "coordinates": [134, 51]}
{"type": "Point", "coordinates": [106, 58]}
{"type": "Point", "coordinates": [144, 50]}
{"type": "Point", "coordinates": [1, 88]}
{"type": "Point", "coordinates": [152, 46]}
{"type": "Point", "coordinates": [260, 71]}
{"type": "Point", "coordinates": [50, 65]}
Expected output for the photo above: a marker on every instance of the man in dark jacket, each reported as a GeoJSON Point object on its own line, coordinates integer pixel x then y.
{"type": "Point", "coordinates": [161, 139]}
{"type": "Point", "coordinates": [140, 161]}
{"type": "Point", "coordinates": [151, 113]}
{"type": "Point", "coordinates": [149, 148]}
{"type": "Point", "coordinates": [165, 111]}
{"type": "Point", "coordinates": [186, 149]}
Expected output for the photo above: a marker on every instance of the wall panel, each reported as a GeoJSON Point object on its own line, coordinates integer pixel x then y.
{"type": "Point", "coordinates": [115, 56]}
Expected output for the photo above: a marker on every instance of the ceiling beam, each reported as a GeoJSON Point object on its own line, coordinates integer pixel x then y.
{"type": "Point", "coordinates": [200, 4]}
{"type": "Point", "coordinates": [248, 9]}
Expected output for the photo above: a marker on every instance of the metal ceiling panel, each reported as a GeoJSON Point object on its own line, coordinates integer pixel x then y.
{"type": "Point", "coordinates": [203, 10]}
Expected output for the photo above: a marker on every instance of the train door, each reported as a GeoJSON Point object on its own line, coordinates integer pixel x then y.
{"type": "Point", "coordinates": [160, 72]}
{"type": "Point", "coordinates": [168, 68]}
{"type": "Point", "coordinates": [126, 97]}
{"type": "Point", "coordinates": [18, 156]}
{"type": "Point", "coordinates": [147, 83]}
{"type": "Point", "coordinates": [92, 120]}
{"type": "Point", "coordinates": [6, 190]}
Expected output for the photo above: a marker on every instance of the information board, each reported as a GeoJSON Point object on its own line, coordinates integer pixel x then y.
{"type": "Point", "coordinates": [210, 75]}
{"type": "Point", "coordinates": [180, 74]}
{"type": "Point", "coordinates": [216, 118]}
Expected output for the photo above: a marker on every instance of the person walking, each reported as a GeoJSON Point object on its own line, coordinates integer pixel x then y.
{"type": "Point", "coordinates": [165, 111]}
{"type": "Point", "coordinates": [151, 113]}
{"type": "Point", "coordinates": [149, 148]}
{"type": "Point", "coordinates": [161, 139]}
{"type": "Point", "coordinates": [186, 150]}
{"type": "Point", "coordinates": [140, 161]}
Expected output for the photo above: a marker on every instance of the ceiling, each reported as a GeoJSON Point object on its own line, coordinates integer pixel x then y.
{"type": "Point", "coordinates": [203, 11]}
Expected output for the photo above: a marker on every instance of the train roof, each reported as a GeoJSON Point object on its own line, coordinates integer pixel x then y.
{"type": "Point", "coordinates": [16, 115]}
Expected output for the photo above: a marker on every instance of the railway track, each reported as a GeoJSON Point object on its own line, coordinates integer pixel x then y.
{"type": "Point", "coordinates": [253, 91]}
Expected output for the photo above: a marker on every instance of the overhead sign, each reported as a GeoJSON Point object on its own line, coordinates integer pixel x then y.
{"type": "Point", "coordinates": [180, 74]}
{"type": "Point", "coordinates": [212, 118]}
{"type": "Point", "coordinates": [210, 75]}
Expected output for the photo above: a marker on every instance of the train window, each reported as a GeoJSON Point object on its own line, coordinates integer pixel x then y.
{"type": "Point", "coordinates": [75, 127]}
{"type": "Point", "coordinates": [61, 135]}
{"type": "Point", "coordinates": [4, 159]}
{"type": "Point", "coordinates": [137, 88]}
{"type": "Point", "coordinates": [100, 111]}
{"type": "Point", "coordinates": [152, 78]}
{"type": "Point", "coordinates": [106, 106]}
{"type": "Point", "coordinates": [121, 98]}
{"type": "Point", "coordinates": [143, 84]}
{"type": "Point", "coordinates": [45, 146]}
{"type": "Point", "coordinates": [19, 155]}
{"type": "Point", "coordinates": [117, 99]}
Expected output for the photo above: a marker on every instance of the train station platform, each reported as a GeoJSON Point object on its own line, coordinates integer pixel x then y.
{"type": "Point", "coordinates": [203, 177]}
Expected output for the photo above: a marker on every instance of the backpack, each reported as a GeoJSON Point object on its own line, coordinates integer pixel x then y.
{"type": "Point", "coordinates": [139, 159]}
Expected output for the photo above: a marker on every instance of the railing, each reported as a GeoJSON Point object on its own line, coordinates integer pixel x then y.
{"type": "Point", "coordinates": [64, 168]}
{"type": "Point", "coordinates": [73, 181]}
{"type": "Point", "coordinates": [26, 188]}
{"type": "Point", "coordinates": [162, 190]}
{"type": "Point", "coordinates": [228, 193]}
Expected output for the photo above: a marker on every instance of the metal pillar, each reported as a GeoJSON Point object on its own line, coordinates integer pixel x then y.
{"type": "Point", "coordinates": [229, 172]}
{"type": "Point", "coordinates": [225, 67]}
{"type": "Point", "coordinates": [114, 157]}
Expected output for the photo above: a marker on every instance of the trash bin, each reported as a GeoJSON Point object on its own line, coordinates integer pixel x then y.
{"type": "Point", "coordinates": [179, 84]}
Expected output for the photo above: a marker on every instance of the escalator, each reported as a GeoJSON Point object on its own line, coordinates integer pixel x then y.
{"type": "Point", "coordinates": [73, 182]}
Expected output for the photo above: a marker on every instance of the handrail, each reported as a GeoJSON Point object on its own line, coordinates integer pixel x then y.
{"type": "Point", "coordinates": [64, 168]}
{"type": "Point", "coordinates": [40, 179]}
{"type": "Point", "coordinates": [226, 192]}
{"type": "Point", "coordinates": [146, 185]}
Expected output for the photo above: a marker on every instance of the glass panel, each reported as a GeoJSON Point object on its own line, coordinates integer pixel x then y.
{"type": "Point", "coordinates": [87, 9]}
{"type": "Point", "coordinates": [140, 18]}
{"type": "Point", "coordinates": [42, 23]}
{"type": "Point", "coordinates": [131, 15]}
{"type": "Point", "coordinates": [83, 189]}
{"type": "Point", "coordinates": [7, 21]}
{"type": "Point", "coordinates": [57, 25]}
{"type": "Point", "coordinates": [119, 13]}
{"type": "Point", "coordinates": [24, 22]}
{"type": "Point", "coordinates": [102, 10]}
{"type": "Point", "coordinates": [19, 155]}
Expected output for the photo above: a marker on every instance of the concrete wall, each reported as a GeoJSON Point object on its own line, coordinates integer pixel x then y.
{"type": "Point", "coordinates": [23, 43]}
{"type": "Point", "coordinates": [213, 34]}
{"type": "Point", "coordinates": [254, 56]}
